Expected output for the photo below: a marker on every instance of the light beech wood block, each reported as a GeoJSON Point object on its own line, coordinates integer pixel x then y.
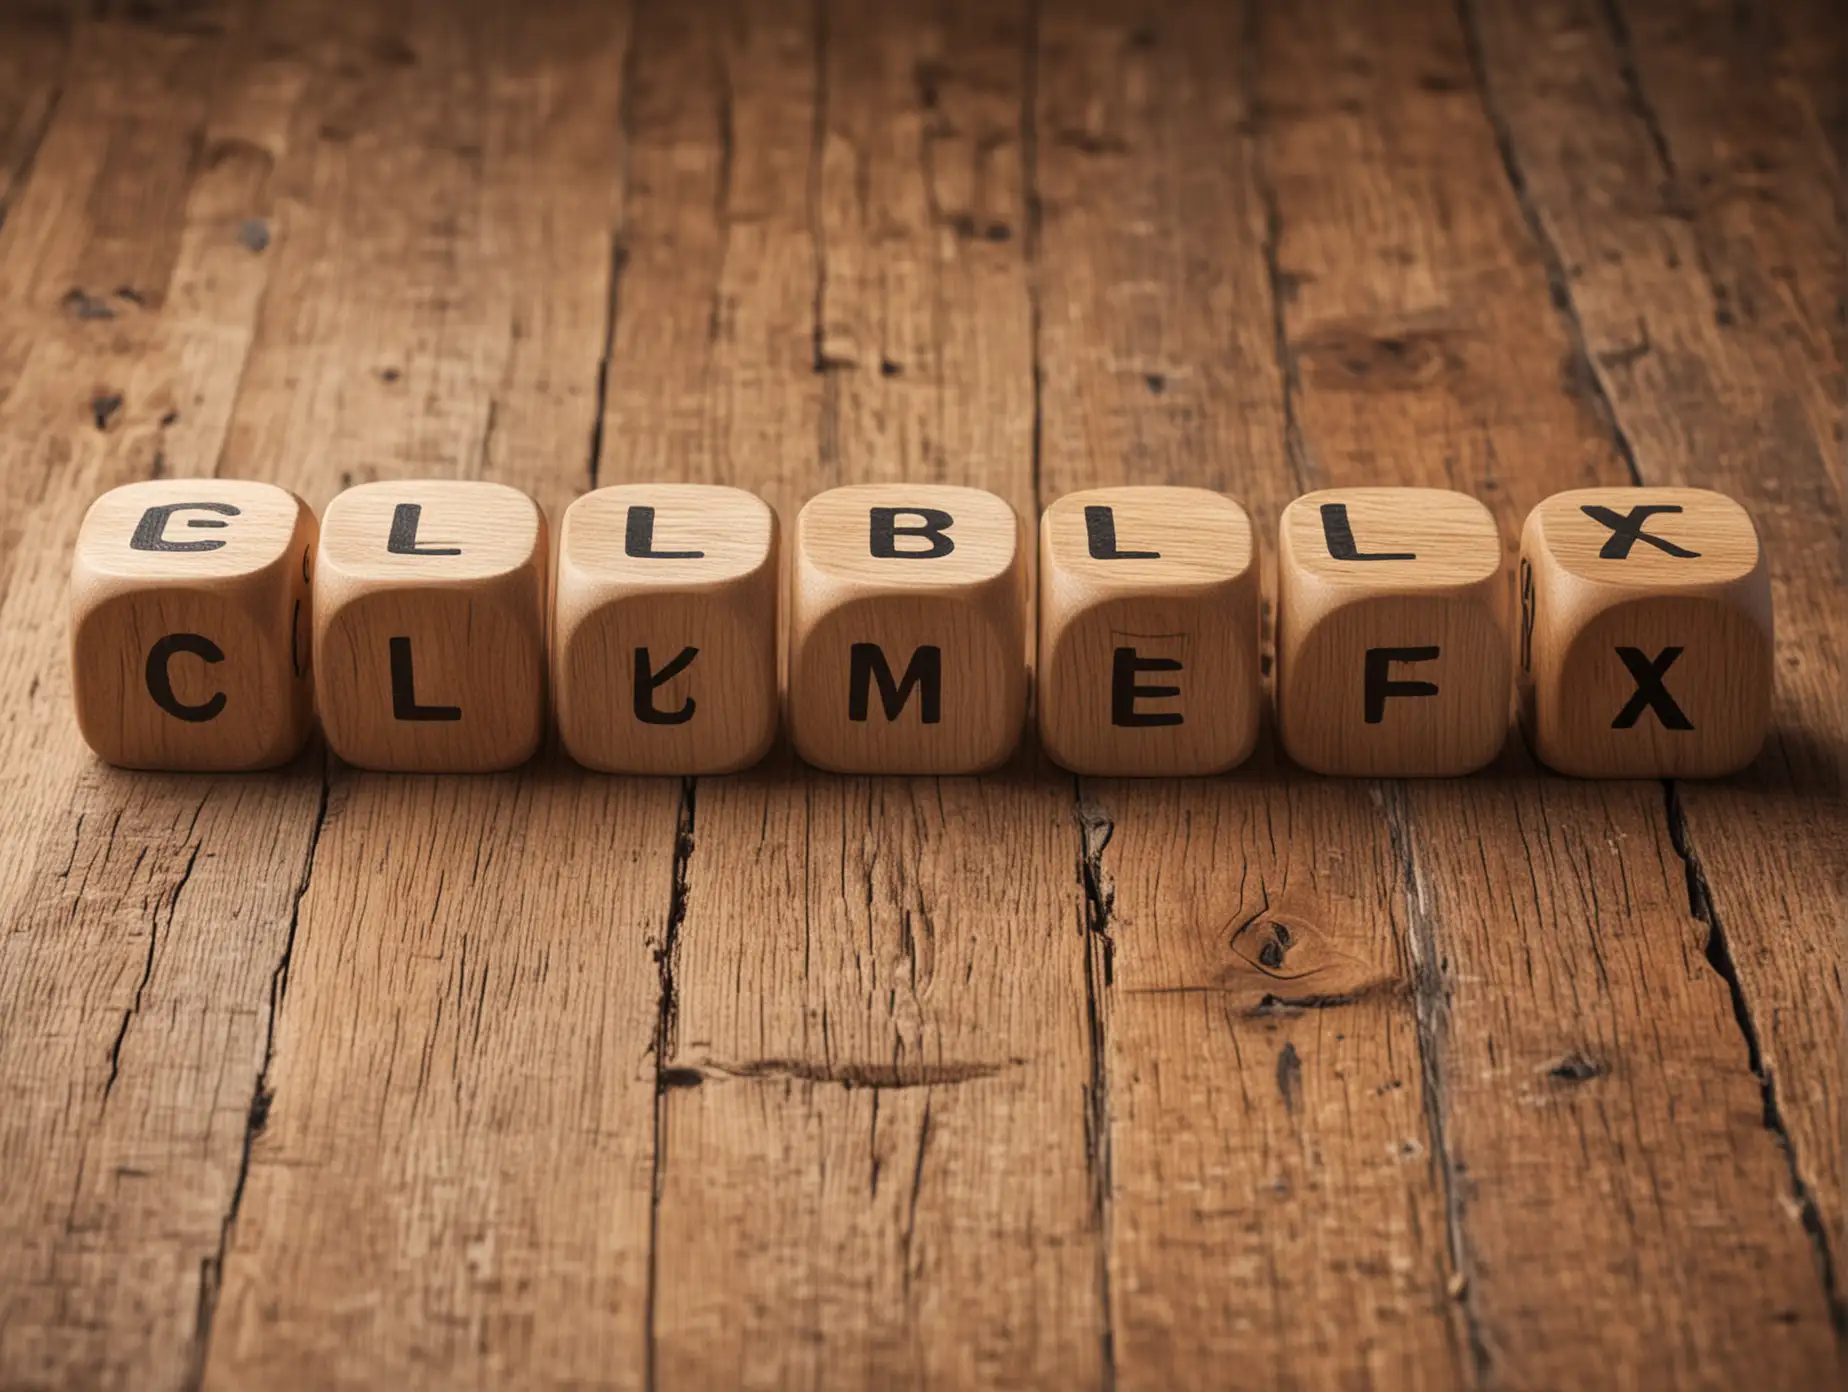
{"type": "Point", "coordinates": [1392, 633]}
{"type": "Point", "coordinates": [664, 641]}
{"type": "Point", "coordinates": [907, 630]}
{"type": "Point", "coordinates": [430, 626]}
{"type": "Point", "coordinates": [1646, 634]}
{"type": "Point", "coordinates": [1148, 632]}
{"type": "Point", "coordinates": [190, 626]}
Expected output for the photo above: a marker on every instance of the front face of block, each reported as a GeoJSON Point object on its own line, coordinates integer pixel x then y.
{"type": "Point", "coordinates": [1149, 632]}
{"type": "Point", "coordinates": [907, 643]}
{"type": "Point", "coordinates": [1392, 639]}
{"type": "Point", "coordinates": [430, 626]}
{"type": "Point", "coordinates": [190, 625]}
{"type": "Point", "coordinates": [1646, 634]}
{"type": "Point", "coordinates": [664, 630]}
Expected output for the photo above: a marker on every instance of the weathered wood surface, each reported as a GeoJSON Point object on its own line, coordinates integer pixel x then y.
{"type": "Point", "coordinates": [331, 1078]}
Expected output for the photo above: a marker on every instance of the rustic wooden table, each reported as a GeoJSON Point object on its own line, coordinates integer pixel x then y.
{"type": "Point", "coordinates": [325, 1078]}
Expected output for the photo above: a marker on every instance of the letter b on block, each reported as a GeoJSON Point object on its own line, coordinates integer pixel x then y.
{"type": "Point", "coordinates": [1646, 633]}
{"type": "Point", "coordinates": [429, 626]}
{"type": "Point", "coordinates": [1392, 636]}
{"type": "Point", "coordinates": [664, 636]}
{"type": "Point", "coordinates": [1148, 632]}
{"type": "Point", "coordinates": [190, 632]}
{"type": "Point", "coordinates": [907, 639]}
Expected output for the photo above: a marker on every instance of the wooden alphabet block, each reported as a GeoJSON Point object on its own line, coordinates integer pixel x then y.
{"type": "Point", "coordinates": [1646, 633]}
{"type": "Point", "coordinates": [190, 625]}
{"type": "Point", "coordinates": [664, 651]}
{"type": "Point", "coordinates": [907, 641]}
{"type": "Point", "coordinates": [1148, 632]}
{"type": "Point", "coordinates": [1392, 633]}
{"type": "Point", "coordinates": [430, 626]}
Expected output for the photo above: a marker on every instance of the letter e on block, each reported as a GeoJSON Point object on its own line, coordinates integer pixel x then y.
{"type": "Point", "coordinates": [1645, 647]}
{"type": "Point", "coordinates": [190, 625]}
{"type": "Point", "coordinates": [1392, 633]}
{"type": "Point", "coordinates": [664, 656]}
{"type": "Point", "coordinates": [1148, 632]}
{"type": "Point", "coordinates": [907, 635]}
{"type": "Point", "coordinates": [430, 626]}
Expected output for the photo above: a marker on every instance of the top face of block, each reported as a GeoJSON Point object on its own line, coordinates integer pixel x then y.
{"type": "Point", "coordinates": [187, 529]}
{"type": "Point", "coordinates": [429, 530]}
{"type": "Point", "coordinates": [1647, 538]}
{"type": "Point", "coordinates": [680, 536]}
{"type": "Point", "coordinates": [1176, 539]}
{"type": "Point", "coordinates": [1376, 539]}
{"type": "Point", "coordinates": [923, 536]}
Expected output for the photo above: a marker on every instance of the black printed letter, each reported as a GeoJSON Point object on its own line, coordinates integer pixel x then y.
{"type": "Point", "coordinates": [646, 680]}
{"type": "Point", "coordinates": [1379, 682]}
{"type": "Point", "coordinates": [1340, 538]}
{"type": "Point", "coordinates": [403, 539]}
{"type": "Point", "coordinates": [935, 526]}
{"type": "Point", "coordinates": [1627, 530]}
{"type": "Point", "coordinates": [403, 686]}
{"type": "Point", "coordinates": [1100, 531]}
{"type": "Point", "coordinates": [1124, 692]}
{"type": "Point", "coordinates": [160, 684]}
{"type": "Point", "coordinates": [1650, 693]}
{"type": "Point", "coordinates": [150, 532]}
{"type": "Point", "coordinates": [866, 662]}
{"type": "Point", "coordinates": [638, 538]}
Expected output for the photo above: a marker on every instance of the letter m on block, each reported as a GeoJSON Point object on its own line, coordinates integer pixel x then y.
{"type": "Point", "coordinates": [866, 664]}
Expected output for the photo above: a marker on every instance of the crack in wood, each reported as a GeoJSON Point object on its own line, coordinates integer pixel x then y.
{"type": "Point", "coordinates": [1431, 1013]}
{"type": "Point", "coordinates": [1719, 956]}
{"type": "Point", "coordinates": [874, 1077]}
{"type": "Point", "coordinates": [666, 1020]}
{"type": "Point", "coordinates": [1592, 369]}
{"type": "Point", "coordinates": [263, 1096]}
{"type": "Point", "coordinates": [147, 966]}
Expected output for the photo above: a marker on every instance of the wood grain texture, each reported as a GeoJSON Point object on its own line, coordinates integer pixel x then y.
{"type": "Point", "coordinates": [1273, 1201]}
{"type": "Point", "coordinates": [568, 1079]}
{"type": "Point", "coordinates": [1467, 299]}
{"type": "Point", "coordinates": [1393, 648]}
{"type": "Point", "coordinates": [1149, 624]}
{"type": "Point", "coordinates": [664, 629]}
{"type": "Point", "coordinates": [144, 915]}
{"type": "Point", "coordinates": [1641, 655]}
{"type": "Point", "coordinates": [191, 649]}
{"type": "Point", "coordinates": [1419, 345]}
{"type": "Point", "coordinates": [872, 1143]}
{"type": "Point", "coordinates": [448, 1178]}
{"type": "Point", "coordinates": [911, 659]}
{"type": "Point", "coordinates": [430, 606]}
{"type": "Point", "coordinates": [1698, 252]}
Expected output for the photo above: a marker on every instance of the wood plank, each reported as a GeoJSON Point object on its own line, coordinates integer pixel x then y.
{"type": "Point", "coordinates": [1812, 66]}
{"type": "Point", "coordinates": [1701, 253]}
{"type": "Point", "coordinates": [873, 1163]}
{"type": "Point", "coordinates": [1568, 1038]}
{"type": "Point", "coordinates": [448, 1175]}
{"type": "Point", "coordinates": [143, 915]}
{"type": "Point", "coordinates": [1558, 1039]}
{"type": "Point", "coordinates": [1274, 1202]}
{"type": "Point", "coordinates": [34, 46]}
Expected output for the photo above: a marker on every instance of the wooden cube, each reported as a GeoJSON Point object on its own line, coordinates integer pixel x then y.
{"type": "Point", "coordinates": [430, 626]}
{"type": "Point", "coordinates": [1646, 633]}
{"type": "Point", "coordinates": [1392, 633]}
{"type": "Point", "coordinates": [190, 638]}
{"type": "Point", "coordinates": [907, 638]}
{"type": "Point", "coordinates": [664, 648]}
{"type": "Point", "coordinates": [1148, 632]}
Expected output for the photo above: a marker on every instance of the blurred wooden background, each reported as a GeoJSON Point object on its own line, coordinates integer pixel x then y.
{"type": "Point", "coordinates": [323, 1078]}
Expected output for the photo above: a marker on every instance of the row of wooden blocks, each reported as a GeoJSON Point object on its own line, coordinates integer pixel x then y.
{"type": "Point", "coordinates": [425, 621]}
